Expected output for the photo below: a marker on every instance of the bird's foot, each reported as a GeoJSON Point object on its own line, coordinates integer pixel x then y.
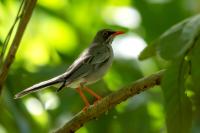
{"type": "Point", "coordinates": [97, 99]}
{"type": "Point", "coordinates": [86, 108]}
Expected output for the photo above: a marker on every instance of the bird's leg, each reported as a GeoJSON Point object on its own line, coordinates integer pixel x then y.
{"type": "Point", "coordinates": [87, 104]}
{"type": "Point", "coordinates": [92, 93]}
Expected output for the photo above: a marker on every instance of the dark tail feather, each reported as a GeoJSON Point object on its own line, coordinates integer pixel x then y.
{"type": "Point", "coordinates": [40, 86]}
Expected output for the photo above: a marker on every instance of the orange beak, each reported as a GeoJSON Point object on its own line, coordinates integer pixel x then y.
{"type": "Point", "coordinates": [118, 33]}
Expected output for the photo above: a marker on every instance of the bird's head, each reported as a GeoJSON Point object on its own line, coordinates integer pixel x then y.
{"type": "Point", "coordinates": [106, 36]}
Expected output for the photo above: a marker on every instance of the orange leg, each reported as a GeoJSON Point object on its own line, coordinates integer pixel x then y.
{"type": "Point", "coordinates": [92, 93]}
{"type": "Point", "coordinates": [87, 104]}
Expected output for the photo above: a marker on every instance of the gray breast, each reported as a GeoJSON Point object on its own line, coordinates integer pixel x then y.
{"type": "Point", "coordinates": [99, 70]}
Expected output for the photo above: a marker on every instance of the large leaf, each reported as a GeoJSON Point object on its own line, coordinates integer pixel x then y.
{"type": "Point", "coordinates": [149, 51]}
{"type": "Point", "coordinates": [166, 44]}
{"type": "Point", "coordinates": [178, 39]}
{"type": "Point", "coordinates": [195, 74]}
{"type": "Point", "coordinates": [175, 41]}
{"type": "Point", "coordinates": [177, 104]}
{"type": "Point", "coordinates": [195, 70]}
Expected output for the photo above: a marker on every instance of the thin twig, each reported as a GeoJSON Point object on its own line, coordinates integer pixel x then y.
{"type": "Point", "coordinates": [5, 44]}
{"type": "Point", "coordinates": [27, 12]}
{"type": "Point", "coordinates": [110, 101]}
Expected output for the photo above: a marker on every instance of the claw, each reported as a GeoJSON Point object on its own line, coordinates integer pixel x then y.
{"type": "Point", "coordinates": [86, 108]}
{"type": "Point", "coordinates": [87, 104]}
{"type": "Point", "coordinates": [96, 101]}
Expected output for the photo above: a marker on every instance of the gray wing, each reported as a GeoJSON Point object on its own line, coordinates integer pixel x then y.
{"type": "Point", "coordinates": [87, 62]}
{"type": "Point", "coordinates": [100, 54]}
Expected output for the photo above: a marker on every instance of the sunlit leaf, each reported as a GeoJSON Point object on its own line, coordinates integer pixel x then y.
{"type": "Point", "coordinates": [156, 112]}
{"type": "Point", "coordinates": [61, 36]}
{"type": "Point", "coordinates": [82, 130]}
{"type": "Point", "coordinates": [53, 4]}
{"type": "Point", "coordinates": [119, 2]}
{"type": "Point", "coordinates": [33, 54]}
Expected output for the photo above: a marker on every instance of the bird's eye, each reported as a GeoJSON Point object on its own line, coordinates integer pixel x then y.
{"type": "Point", "coordinates": [106, 34]}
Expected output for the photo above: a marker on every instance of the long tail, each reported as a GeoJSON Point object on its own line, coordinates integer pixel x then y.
{"type": "Point", "coordinates": [40, 86]}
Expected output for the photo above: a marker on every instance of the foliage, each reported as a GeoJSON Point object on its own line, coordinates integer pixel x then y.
{"type": "Point", "coordinates": [60, 29]}
{"type": "Point", "coordinates": [179, 45]}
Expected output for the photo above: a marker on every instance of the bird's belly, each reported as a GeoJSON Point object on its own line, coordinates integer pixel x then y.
{"type": "Point", "coordinates": [98, 73]}
{"type": "Point", "coordinates": [76, 83]}
{"type": "Point", "coordinates": [92, 78]}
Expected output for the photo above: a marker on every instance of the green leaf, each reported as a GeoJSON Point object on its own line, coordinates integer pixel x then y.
{"type": "Point", "coordinates": [195, 74]}
{"type": "Point", "coordinates": [1, 43]}
{"type": "Point", "coordinates": [149, 51]}
{"type": "Point", "coordinates": [178, 39]}
{"type": "Point", "coordinates": [195, 61]}
{"type": "Point", "coordinates": [177, 104]}
{"type": "Point", "coordinates": [170, 43]}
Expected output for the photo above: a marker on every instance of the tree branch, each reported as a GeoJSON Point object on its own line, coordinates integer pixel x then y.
{"type": "Point", "coordinates": [26, 14]}
{"type": "Point", "coordinates": [110, 101]}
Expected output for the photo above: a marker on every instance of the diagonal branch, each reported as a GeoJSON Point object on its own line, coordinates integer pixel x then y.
{"type": "Point", "coordinates": [110, 101]}
{"type": "Point", "coordinates": [26, 15]}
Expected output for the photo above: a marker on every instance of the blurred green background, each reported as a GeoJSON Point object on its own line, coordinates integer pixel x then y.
{"type": "Point", "coordinates": [58, 31]}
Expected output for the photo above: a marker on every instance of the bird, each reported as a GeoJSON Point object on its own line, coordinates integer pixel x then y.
{"type": "Point", "coordinates": [91, 65]}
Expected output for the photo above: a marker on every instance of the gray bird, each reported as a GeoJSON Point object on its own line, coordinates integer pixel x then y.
{"type": "Point", "coordinates": [89, 67]}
